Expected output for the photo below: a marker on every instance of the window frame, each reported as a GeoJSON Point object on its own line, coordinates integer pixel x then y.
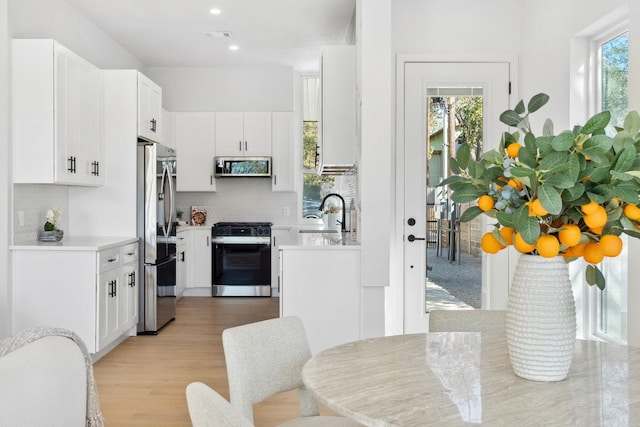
{"type": "Point", "coordinates": [301, 170]}
{"type": "Point", "coordinates": [592, 294]}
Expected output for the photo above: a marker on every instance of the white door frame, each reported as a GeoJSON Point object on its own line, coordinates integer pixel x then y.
{"type": "Point", "coordinates": [395, 293]}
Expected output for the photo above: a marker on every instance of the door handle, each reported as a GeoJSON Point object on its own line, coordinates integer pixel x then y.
{"type": "Point", "coordinates": [412, 238]}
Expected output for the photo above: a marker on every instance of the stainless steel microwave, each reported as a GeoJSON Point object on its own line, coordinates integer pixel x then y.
{"type": "Point", "coordinates": [242, 166]}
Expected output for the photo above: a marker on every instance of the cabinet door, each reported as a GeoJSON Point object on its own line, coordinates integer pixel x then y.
{"type": "Point", "coordinates": [199, 260]}
{"type": "Point", "coordinates": [128, 298]}
{"type": "Point", "coordinates": [229, 134]}
{"type": "Point", "coordinates": [283, 177]}
{"type": "Point", "coordinates": [181, 263]}
{"type": "Point", "coordinates": [149, 109]}
{"type": "Point", "coordinates": [277, 239]}
{"type": "Point", "coordinates": [108, 309]}
{"type": "Point", "coordinates": [92, 161]}
{"type": "Point", "coordinates": [337, 132]}
{"type": "Point", "coordinates": [257, 134]}
{"type": "Point", "coordinates": [68, 114]}
{"type": "Point", "coordinates": [195, 149]}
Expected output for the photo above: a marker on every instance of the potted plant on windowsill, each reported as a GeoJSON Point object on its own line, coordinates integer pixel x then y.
{"type": "Point", "coordinates": [559, 197]}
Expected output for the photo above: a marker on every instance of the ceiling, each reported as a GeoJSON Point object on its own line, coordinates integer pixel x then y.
{"type": "Point", "coordinates": [171, 33]}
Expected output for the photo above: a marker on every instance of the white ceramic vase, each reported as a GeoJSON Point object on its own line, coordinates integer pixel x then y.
{"type": "Point", "coordinates": [541, 319]}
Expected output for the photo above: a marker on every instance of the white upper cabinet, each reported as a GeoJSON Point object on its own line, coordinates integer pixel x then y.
{"type": "Point", "coordinates": [337, 127]}
{"type": "Point", "coordinates": [149, 109]}
{"type": "Point", "coordinates": [282, 168]}
{"type": "Point", "coordinates": [195, 149]}
{"type": "Point", "coordinates": [243, 134]}
{"type": "Point", "coordinates": [58, 115]}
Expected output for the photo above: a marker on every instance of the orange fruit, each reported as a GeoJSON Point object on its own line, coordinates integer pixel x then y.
{"type": "Point", "coordinates": [569, 234]}
{"type": "Point", "coordinates": [597, 230]}
{"type": "Point", "coordinates": [596, 218]}
{"type": "Point", "coordinates": [507, 235]}
{"type": "Point", "coordinates": [632, 212]}
{"type": "Point", "coordinates": [611, 245]}
{"type": "Point", "coordinates": [485, 202]}
{"type": "Point", "coordinates": [513, 149]}
{"type": "Point", "coordinates": [589, 207]}
{"type": "Point", "coordinates": [515, 183]}
{"type": "Point", "coordinates": [521, 245]}
{"type": "Point", "coordinates": [569, 253]}
{"type": "Point", "coordinates": [547, 246]}
{"type": "Point", "coordinates": [593, 253]}
{"type": "Point", "coordinates": [536, 209]}
{"type": "Point", "coordinates": [490, 244]}
{"type": "Point", "coordinates": [578, 250]}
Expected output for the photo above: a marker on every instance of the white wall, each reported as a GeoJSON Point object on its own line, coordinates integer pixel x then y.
{"type": "Point", "coordinates": [546, 51]}
{"type": "Point", "coordinates": [5, 171]}
{"type": "Point", "coordinates": [225, 88]}
{"type": "Point", "coordinates": [61, 21]}
{"type": "Point", "coordinates": [455, 27]}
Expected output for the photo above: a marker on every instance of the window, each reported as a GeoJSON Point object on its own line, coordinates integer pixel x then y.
{"type": "Point", "coordinates": [313, 183]}
{"type": "Point", "coordinates": [608, 308]}
{"type": "Point", "coordinates": [613, 72]}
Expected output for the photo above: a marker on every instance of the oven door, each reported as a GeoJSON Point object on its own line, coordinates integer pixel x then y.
{"type": "Point", "coordinates": [241, 266]}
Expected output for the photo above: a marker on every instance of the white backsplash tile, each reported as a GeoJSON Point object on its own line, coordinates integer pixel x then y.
{"type": "Point", "coordinates": [34, 201]}
{"type": "Point", "coordinates": [241, 199]}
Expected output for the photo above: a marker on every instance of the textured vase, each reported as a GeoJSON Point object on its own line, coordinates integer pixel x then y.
{"type": "Point", "coordinates": [50, 236]}
{"type": "Point", "coordinates": [541, 319]}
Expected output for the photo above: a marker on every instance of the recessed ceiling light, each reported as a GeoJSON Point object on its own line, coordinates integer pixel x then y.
{"type": "Point", "coordinates": [215, 11]}
{"type": "Point", "coordinates": [234, 47]}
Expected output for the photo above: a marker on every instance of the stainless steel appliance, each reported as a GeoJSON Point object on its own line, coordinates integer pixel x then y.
{"type": "Point", "coordinates": [241, 259]}
{"type": "Point", "coordinates": [242, 167]}
{"type": "Point", "coordinates": [156, 230]}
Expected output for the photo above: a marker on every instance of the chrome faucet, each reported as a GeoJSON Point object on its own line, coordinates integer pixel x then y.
{"type": "Point", "coordinates": [342, 224]}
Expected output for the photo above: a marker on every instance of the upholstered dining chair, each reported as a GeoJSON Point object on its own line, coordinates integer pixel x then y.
{"type": "Point", "coordinates": [46, 379]}
{"type": "Point", "coordinates": [208, 409]}
{"type": "Point", "coordinates": [467, 320]}
{"type": "Point", "coordinates": [266, 358]}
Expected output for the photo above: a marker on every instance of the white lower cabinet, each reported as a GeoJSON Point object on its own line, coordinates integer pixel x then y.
{"type": "Point", "coordinates": [181, 262]}
{"type": "Point", "coordinates": [199, 260]}
{"type": "Point", "coordinates": [278, 237]}
{"type": "Point", "coordinates": [79, 286]}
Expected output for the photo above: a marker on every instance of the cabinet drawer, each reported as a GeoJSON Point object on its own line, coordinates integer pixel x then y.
{"type": "Point", "coordinates": [129, 253]}
{"type": "Point", "coordinates": [108, 259]}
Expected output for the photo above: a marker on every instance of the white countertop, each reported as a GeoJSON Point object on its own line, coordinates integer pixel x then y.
{"type": "Point", "coordinates": [297, 239]}
{"type": "Point", "coordinates": [75, 243]}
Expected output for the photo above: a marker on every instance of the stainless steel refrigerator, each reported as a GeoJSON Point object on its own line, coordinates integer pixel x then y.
{"type": "Point", "coordinates": [156, 230]}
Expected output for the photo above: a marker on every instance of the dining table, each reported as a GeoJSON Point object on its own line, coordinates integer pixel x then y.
{"type": "Point", "coordinates": [465, 378]}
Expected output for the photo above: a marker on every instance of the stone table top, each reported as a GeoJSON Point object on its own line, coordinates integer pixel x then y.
{"type": "Point", "coordinates": [462, 378]}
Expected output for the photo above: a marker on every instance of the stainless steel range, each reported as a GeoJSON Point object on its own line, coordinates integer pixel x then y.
{"type": "Point", "coordinates": [241, 259]}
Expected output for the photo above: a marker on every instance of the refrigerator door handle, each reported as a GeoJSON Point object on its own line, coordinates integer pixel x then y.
{"type": "Point", "coordinates": [167, 169]}
{"type": "Point", "coordinates": [166, 229]}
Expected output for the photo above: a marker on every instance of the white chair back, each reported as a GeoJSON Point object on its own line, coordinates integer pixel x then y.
{"type": "Point", "coordinates": [44, 383]}
{"type": "Point", "coordinates": [208, 409]}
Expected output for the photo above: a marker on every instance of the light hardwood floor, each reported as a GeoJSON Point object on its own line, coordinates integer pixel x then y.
{"type": "Point", "coordinates": [142, 382]}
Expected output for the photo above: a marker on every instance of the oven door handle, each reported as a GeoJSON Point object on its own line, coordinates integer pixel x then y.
{"type": "Point", "coordinates": [241, 240]}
